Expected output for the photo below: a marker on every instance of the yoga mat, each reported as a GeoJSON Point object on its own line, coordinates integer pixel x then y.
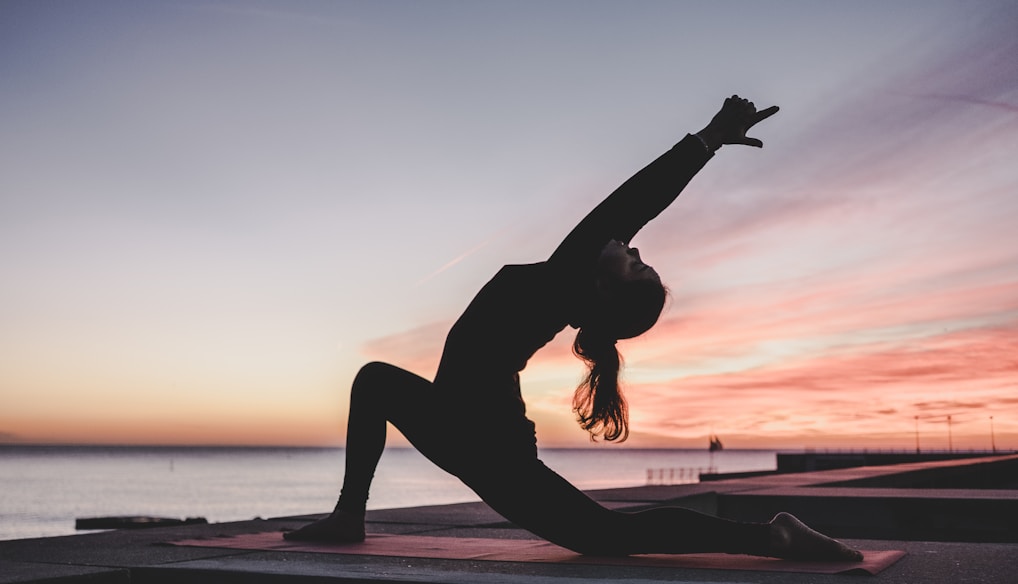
{"type": "Point", "coordinates": [523, 550]}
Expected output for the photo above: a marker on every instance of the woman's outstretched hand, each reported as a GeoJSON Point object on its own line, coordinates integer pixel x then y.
{"type": "Point", "coordinates": [730, 124]}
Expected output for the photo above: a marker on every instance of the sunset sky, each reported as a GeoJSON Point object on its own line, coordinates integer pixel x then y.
{"type": "Point", "coordinates": [212, 213]}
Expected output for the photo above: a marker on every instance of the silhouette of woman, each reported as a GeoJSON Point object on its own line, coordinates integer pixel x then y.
{"type": "Point", "coordinates": [471, 421]}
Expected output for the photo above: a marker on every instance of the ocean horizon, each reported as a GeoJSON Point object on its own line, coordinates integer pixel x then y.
{"type": "Point", "coordinates": [44, 488]}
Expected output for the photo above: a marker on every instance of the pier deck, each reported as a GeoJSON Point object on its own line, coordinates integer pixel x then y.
{"type": "Point", "coordinates": [949, 534]}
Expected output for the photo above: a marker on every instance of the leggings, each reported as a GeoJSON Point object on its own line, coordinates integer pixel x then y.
{"type": "Point", "coordinates": [520, 488]}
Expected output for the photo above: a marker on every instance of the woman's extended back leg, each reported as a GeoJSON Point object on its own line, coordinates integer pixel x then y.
{"type": "Point", "coordinates": [539, 500]}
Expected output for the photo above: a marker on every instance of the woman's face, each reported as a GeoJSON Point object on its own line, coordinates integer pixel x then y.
{"type": "Point", "coordinates": [620, 263]}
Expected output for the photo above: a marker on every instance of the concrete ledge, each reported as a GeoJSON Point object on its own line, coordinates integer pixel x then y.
{"type": "Point", "coordinates": [891, 502]}
{"type": "Point", "coordinates": [828, 460]}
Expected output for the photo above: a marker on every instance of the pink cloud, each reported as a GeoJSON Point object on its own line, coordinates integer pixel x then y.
{"type": "Point", "coordinates": [969, 375]}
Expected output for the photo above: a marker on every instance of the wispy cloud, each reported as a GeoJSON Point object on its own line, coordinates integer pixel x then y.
{"type": "Point", "coordinates": [451, 263]}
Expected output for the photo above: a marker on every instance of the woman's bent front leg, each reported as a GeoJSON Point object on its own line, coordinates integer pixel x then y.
{"type": "Point", "coordinates": [380, 393]}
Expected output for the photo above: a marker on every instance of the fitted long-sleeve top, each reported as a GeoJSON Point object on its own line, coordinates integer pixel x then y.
{"type": "Point", "coordinates": [523, 307]}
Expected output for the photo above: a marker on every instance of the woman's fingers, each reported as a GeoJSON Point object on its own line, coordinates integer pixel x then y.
{"type": "Point", "coordinates": [764, 114]}
{"type": "Point", "coordinates": [754, 118]}
{"type": "Point", "coordinates": [736, 117]}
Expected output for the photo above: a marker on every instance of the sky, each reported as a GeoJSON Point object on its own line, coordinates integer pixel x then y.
{"type": "Point", "coordinates": [213, 213]}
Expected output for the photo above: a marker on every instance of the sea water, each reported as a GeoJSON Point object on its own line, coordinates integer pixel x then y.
{"type": "Point", "coordinates": [43, 489]}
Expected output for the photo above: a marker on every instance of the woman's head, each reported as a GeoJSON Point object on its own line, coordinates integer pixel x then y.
{"type": "Point", "coordinates": [629, 299]}
{"type": "Point", "coordinates": [629, 295]}
{"type": "Point", "coordinates": [619, 262]}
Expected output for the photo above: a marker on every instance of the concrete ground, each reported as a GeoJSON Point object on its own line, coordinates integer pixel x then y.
{"type": "Point", "coordinates": [949, 534]}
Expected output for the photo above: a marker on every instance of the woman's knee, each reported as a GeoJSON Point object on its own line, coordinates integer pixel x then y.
{"type": "Point", "coordinates": [387, 385]}
{"type": "Point", "coordinates": [369, 380]}
{"type": "Point", "coordinates": [372, 373]}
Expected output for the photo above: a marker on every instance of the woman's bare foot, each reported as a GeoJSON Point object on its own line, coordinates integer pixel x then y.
{"type": "Point", "coordinates": [793, 539]}
{"type": "Point", "coordinates": [339, 527]}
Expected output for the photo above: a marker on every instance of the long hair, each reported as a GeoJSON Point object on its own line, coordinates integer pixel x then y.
{"type": "Point", "coordinates": [628, 310]}
{"type": "Point", "coordinates": [598, 402]}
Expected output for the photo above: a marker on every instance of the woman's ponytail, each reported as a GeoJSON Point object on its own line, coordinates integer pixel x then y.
{"type": "Point", "coordinates": [598, 402]}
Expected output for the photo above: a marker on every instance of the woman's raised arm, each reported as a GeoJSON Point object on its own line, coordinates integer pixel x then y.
{"type": "Point", "coordinates": [651, 190]}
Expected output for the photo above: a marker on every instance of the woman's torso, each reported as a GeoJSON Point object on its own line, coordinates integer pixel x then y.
{"type": "Point", "coordinates": [517, 312]}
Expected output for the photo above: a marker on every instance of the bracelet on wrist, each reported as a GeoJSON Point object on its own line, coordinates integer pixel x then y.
{"type": "Point", "coordinates": [705, 144]}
